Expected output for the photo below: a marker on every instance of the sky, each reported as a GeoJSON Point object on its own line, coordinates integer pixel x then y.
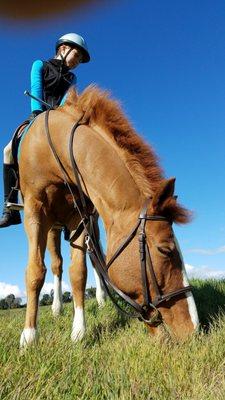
{"type": "Point", "coordinates": [165, 62]}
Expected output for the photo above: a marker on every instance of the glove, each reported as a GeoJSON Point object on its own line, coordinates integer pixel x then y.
{"type": "Point", "coordinates": [34, 114]}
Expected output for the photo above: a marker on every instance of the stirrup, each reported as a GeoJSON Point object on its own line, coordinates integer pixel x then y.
{"type": "Point", "coordinates": [14, 206]}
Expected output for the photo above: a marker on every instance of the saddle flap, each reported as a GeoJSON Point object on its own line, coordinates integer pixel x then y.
{"type": "Point", "coordinates": [17, 136]}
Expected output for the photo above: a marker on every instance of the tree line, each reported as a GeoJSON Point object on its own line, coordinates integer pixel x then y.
{"type": "Point", "coordinates": [10, 301]}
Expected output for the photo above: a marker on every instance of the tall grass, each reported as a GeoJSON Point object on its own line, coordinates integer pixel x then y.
{"type": "Point", "coordinates": [117, 359]}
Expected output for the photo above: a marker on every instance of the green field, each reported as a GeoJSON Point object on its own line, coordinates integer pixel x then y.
{"type": "Point", "coordinates": [117, 359]}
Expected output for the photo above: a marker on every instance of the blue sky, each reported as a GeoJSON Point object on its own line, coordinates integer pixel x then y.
{"type": "Point", "coordinates": [165, 62]}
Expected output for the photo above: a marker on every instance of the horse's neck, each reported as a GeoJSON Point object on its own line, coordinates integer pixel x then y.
{"type": "Point", "coordinates": [109, 182]}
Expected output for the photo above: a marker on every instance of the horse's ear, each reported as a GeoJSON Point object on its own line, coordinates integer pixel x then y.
{"type": "Point", "coordinates": [165, 190]}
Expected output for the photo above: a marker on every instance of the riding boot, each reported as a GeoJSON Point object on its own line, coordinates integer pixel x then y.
{"type": "Point", "coordinates": [9, 217]}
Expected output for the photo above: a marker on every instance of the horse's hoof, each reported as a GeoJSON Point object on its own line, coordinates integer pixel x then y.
{"type": "Point", "coordinates": [28, 337]}
{"type": "Point", "coordinates": [77, 334]}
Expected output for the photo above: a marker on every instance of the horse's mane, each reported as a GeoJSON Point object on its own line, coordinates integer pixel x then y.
{"type": "Point", "coordinates": [101, 110]}
{"type": "Point", "coordinates": [139, 157]}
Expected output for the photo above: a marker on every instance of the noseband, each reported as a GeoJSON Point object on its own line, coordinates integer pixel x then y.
{"type": "Point", "coordinates": [97, 257]}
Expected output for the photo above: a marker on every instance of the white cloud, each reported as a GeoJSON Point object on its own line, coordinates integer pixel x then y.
{"type": "Point", "coordinates": [204, 272]}
{"type": "Point", "coordinates": [209, 252]}
{"type": "Point", "coordinates": [7, 288]}
{"type": "Point", "coordinates": [48, 286]}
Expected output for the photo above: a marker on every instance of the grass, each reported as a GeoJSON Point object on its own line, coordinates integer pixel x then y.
{"type": "Point", "coordinates": [117, 359]}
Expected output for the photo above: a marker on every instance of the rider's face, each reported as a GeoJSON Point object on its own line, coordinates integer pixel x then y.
{"type": "Point", "coordinates": [73, 58]}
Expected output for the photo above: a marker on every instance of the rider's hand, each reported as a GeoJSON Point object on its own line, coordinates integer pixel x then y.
{"type": "Point", "coordinates": [34, 114]}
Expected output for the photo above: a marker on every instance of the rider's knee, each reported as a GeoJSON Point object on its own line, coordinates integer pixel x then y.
{"type": "Point", "coordinates": [8, 158]}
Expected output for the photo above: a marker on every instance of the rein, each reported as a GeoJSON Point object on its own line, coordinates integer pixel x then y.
{"type": "Point", "coordinates": [96, 255]}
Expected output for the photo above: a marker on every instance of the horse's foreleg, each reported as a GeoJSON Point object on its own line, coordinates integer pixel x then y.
{"type": "Point", "coordinates": [36, 229]}
{"type": "Point", "coordinates": [100, 291]}
{"type": "Point", "coordinates": [54, 248]}
{"type": "Point", "coordinates": [78, 278]}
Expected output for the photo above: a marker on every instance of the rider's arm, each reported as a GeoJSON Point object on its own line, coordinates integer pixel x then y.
{"type": "Point", "coordinates": [73, 83]}
{"type": "Point", "coordinates": [36, 85]}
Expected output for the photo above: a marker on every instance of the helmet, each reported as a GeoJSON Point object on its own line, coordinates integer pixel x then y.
{"type": "Point", "coordinates": [75, 40]}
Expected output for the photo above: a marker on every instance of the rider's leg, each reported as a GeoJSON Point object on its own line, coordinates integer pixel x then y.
{"type": "Point", "coordinates": [9, 217]}
{"type": "Point", "coordinates": [8, 157]}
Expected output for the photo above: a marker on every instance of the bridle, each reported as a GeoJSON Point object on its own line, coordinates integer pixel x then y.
{"type": "Point", "coordinates": [97, 257]}
{"type": "Point", "coordinates": [141, 311]}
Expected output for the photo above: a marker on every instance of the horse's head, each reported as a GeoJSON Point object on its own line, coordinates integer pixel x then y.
{"type": "Point", "coordinates": [178, 312]}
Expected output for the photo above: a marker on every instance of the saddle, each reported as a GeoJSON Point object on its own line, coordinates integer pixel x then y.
{"type": "Point", "coordinates": [17, 136]}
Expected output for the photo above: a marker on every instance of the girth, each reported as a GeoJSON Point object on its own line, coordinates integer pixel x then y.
{"type": "Point", "coordinates": [97, 257]}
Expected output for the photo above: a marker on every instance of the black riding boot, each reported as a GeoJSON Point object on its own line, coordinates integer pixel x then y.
{"type": "Point", "coordinates": [9, 217]}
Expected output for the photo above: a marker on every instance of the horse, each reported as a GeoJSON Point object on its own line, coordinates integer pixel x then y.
{"type": "Point", "coordinates": [120, 173]}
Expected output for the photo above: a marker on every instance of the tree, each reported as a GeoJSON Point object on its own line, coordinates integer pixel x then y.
{"type": "Point", "coordinates": [66, 297]}
{"type": "Point", "coordinates": [17, 302]}
{"type": "Point", "coordinates": [90, 293]}
{"type": "Point", "coordinates": [3, 304]}
{"type": "Point", "coordinates": [10, 299]}
{"type": "Point", "coordinates": [46, 300]}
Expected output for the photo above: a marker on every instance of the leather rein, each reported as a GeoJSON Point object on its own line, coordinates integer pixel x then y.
{"type": "Point", "coordinates": [97, 256]}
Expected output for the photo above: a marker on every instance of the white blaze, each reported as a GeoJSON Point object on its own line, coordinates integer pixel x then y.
{"type": "Point", "coordinates": [190, 299]}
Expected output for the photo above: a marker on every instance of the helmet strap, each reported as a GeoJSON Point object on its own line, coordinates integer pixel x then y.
{"type": "Point", "coordinates": [63, 58]}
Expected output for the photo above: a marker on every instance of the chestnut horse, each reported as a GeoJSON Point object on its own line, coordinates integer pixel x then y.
{"type": "Point", "coordinates": [119, 172]}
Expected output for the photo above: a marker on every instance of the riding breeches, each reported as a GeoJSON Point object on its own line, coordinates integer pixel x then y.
{"type": "Point", "coordinates": [8, 157]}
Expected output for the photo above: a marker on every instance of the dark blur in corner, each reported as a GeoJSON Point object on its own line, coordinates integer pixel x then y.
{"type": "Point", "coordinates": [26, 9]}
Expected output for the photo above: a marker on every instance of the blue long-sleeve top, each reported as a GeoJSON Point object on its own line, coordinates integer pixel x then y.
{"type": "Point", "coordinates": [37, 85]}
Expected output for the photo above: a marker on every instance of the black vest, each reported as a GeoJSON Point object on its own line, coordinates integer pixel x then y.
{"type": "Point", "coordinates": [57, 79]}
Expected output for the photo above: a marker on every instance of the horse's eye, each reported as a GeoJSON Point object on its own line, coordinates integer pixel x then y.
{"type": "Point", "coordinates": [166, 248]}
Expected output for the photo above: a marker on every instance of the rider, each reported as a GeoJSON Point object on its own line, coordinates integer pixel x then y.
{"type": "Point", "coordinates": [50, 81]}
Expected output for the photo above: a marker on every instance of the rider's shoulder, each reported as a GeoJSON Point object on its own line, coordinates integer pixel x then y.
{"type": "Point", "coordinates": [37, 64]}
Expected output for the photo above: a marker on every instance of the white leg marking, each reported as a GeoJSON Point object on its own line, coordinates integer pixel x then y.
{"type": "Point", "coordinates": [190, 299]}
{"type": "Point", "coordinates": [100, 292]}
{"type": "Point", "coordinates": [57, 300]}
{"type": "Point", "coordinates": [79, 326]}
{"type": "Point", "coordinates": [28, 336]}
